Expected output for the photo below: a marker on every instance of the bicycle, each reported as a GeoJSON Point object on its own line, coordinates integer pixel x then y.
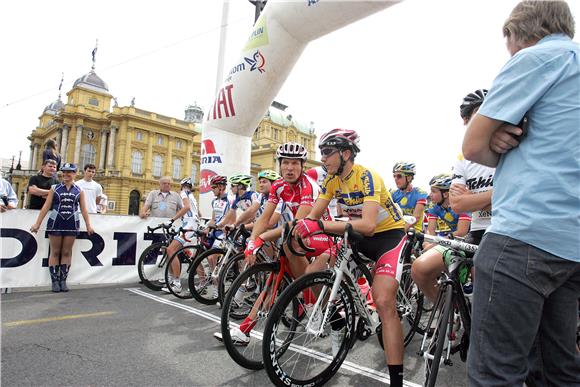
{"type": "Point", "coordinates": [452, 308]}
{"type": "Point", "coordinates": [314, 355]}
{"type": "Point", "coordinates": [205, 279]}
{"type": "Point", "coordinates": [186, 255]}
{"type": "Point", "coordinates": [151, 269]}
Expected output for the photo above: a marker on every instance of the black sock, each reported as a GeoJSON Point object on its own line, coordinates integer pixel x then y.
{"type": "Point", "coordinates": [396, 375]}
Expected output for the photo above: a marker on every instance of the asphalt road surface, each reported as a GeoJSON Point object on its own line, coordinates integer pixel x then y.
{"type": "Point", "coordinates": [130, 335]}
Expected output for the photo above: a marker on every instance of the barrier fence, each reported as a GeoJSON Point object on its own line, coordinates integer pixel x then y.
{"type": "Point", "coordinates": [108, 256]}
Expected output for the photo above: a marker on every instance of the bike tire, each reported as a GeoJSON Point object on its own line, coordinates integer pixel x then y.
{"type": "Point", "coordinates": [150, 268]}
{"type": "Point", "coordinates": [230, 271]}
{"type": "Point", "coordinates": [250, 356]}
{"type": "Point", "coordinates": [437, 341]}
{"type": "Point", "coordinates": [413, 303]}
{"type": "Point", "coordinates": [300, 367]}
{"type": "Point", "coordinates": [186, 255]}
{"type": "Point", "coordinates": [201, 285]}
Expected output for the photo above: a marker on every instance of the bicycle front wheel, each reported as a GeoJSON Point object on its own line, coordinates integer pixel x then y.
{"type": "Point", "coordinates": [437, 341]}
{"type": "Point", "coordinates": [202, 285]}
{"type": "Point", "coordinates": [409, 304]}
{"type": "Point", "coordinates": [311, 349]}
{"type": "Point", "coordinates": [181, 260]}
{"type": "Point", "coordinates": [151, 266]}
{"type": "Point", "coordinates": [230, 271]}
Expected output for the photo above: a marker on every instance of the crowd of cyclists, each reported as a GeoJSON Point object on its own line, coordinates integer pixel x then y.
{"type": "Point", "coordinates": [299, 214]}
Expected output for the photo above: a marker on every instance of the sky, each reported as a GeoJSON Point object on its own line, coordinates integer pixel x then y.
{"type": "Point", "coordinates": [397, 77]}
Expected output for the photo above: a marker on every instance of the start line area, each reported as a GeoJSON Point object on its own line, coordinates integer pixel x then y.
{"type": "Point", "coordinates": [129, 335]}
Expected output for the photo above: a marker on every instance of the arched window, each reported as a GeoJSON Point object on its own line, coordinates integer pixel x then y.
{"type": "Point", "coordinates": [134, 198]}
{"type": "Point", "coordinates": [157, 165]}
{"type": "Point", "coordinates": [88, 155]}
{"type": "Point", "coordinates": [176, 168]}
{"type": "Point", "coordinates": [137, 162]}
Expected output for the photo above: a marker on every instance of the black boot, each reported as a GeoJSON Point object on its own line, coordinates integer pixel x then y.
{"type": "Point", "coordinates": [54, 276]}
{"type": "Point", "coordinates": [63, 275]}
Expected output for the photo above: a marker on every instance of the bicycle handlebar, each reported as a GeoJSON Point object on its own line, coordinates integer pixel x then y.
{"type": "Point", "coordinates": [454, 244]}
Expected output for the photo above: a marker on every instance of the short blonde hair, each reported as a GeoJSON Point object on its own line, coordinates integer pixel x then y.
{"type": "Point", "coordinates": [532, 20]}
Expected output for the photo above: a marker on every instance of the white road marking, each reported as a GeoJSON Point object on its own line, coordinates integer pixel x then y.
{"type": "Point", "coordinates": [346, 365]}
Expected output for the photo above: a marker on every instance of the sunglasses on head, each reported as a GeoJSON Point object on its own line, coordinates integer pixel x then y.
{"type": "Point", "coordinates": [328, 151]}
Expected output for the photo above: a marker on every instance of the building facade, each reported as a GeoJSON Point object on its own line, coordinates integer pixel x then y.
{"type": "Point", "coordinates": [132, 148]}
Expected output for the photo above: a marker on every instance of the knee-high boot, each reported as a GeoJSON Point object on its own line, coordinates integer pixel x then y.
{"type": "Point", "coordinates": [63, 275]}
{"type": "Point", "coordinates": [54, 277]}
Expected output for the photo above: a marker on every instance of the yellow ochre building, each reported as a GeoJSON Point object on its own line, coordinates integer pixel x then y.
{"type": "Point", "coordinates": [132, 148]}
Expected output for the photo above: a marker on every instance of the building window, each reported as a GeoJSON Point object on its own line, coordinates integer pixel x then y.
{"type": "Point", "coordinates": [88, 154]}
{"type": "Point", "coordinates": [276, 134]}
{"type": "Point", "coordinates": [176, 168]}
{"type": "Point", "coordinates": [159, 140]}
{"type": "Point", "coordinates": [177, 144]}
{"type": "Point", "coordinates": [157, 165]}
{"type": "Point", "coordinates": [137, 162]}
{"type": "Point", "coordinates": [134, 199]}
{"type": "Point", "coordinates": [93, 101]}
{"type": "Point", "coordinates": [139, 136]}
{"type": "Point", "coordinates": [193, 173]}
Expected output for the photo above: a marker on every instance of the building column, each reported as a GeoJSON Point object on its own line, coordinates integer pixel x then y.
{"type": "Point", "coordinates": [102, 155]}
{"type": "Point", "coordinates": [149, 157]}
{"type": "Point", "coordinates": [111, 153]}
{"type": "Point", "coordinates": [35, 148]}
{"type": "Point", "coordinates": [59, 138]}
{"type": "Point", "coordinates": [188, 161]}
{"type": "Point", "coordinates": [78, 139]}
{"type": "Point", "coordinates": [30, 165]}
{"type": "Point", "coordinates": [169, 163]}
{"type": "Point", "coordinates": [64, 143]}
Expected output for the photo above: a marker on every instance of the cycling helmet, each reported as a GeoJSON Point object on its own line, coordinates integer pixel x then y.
{"type": "Point", "coordinates": [242, 179]}
{"type": "Point", "coordinates": [472, 101]}
{"type": "Point", "coordinates": [442, 181]}
{"type": "Point", "coordinates": [216, 180]}
{"type": "Point", "coordinates": [405, 168]}
{"type": "Point", "coordinates": [186, 181]}
{"type": "Point", "coordinates": [341, 139]}
{"type": "Point", "coordinates": [269, 174]}
{"type": "Point", "coordinates": [291, 150]}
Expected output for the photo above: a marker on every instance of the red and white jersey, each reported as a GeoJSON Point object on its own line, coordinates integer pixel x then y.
{"type": "Point", "coordinates": [302, 193]}
{"type": "Point", "coordinates": [318, 174]}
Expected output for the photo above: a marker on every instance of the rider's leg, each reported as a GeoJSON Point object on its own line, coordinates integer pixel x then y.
{"type": "Point", "coordinates": [175, 268]}
{"type": "Point", "coordinates": [425, 271]}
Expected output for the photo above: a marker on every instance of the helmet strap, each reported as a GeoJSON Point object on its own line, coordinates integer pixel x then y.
{"type": "Point", "coordinates": [342, 164]}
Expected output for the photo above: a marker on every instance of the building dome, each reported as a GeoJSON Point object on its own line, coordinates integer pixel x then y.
{"type": "Point", "coordinates": [91, 81]}
{"type": "Point", "coordinates": [54, 107]}
{"type": "Point", "coordinates": [194, 113]}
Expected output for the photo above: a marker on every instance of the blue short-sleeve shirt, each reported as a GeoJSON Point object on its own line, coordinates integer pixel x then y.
{"type": "Point", "coordinates": [536, 197]}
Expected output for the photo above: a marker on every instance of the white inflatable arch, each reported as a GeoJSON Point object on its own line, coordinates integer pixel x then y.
{"type": "Point", "coordinates": [277, 39]}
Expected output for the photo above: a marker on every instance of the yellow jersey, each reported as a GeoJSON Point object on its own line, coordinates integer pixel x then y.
{"type": "Point", "coordinates": [363, 185]}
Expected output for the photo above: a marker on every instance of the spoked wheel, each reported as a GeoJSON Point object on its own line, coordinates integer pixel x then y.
{"type": "Point", "coordinates": [151, 266]}
{"type": "Point", "coordinates": [245, 309]}
{"type": "Point", "coordinates": [409, 305]}
{"type": "Point", "coordinates": [436, 342]}
{"type": "Point", "coordinates": [230, 271]}
{"type": "Point", "coordinates": [178, 285]}
{"type": "Point", "coordinates": [202, 285]}
{"type": "Point", "coordinates": [312, 349]}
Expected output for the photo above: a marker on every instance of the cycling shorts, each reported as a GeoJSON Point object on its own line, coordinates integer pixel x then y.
{"type": "Point", "coordinates": [387, 250]}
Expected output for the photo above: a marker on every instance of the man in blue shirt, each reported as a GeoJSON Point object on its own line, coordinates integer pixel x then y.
{"type": "Point", "coordinates": [528, 265]}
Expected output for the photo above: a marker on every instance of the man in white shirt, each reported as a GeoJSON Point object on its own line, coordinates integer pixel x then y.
{"type": "Point", "coordinates": [93, 190]}
{"type": "Point", "coordinates": [8, 199]}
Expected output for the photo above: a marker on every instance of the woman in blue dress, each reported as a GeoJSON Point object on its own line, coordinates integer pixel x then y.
{"type": "Point", "coordinates": [63, 201]}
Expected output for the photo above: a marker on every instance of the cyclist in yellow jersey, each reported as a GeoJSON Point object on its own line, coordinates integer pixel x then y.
{"type": "Point", "coordinates": [363, 196]}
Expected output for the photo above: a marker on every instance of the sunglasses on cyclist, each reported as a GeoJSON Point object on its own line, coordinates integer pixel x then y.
{"type": "Point", "coordinates": [328, 151]}
{"type": "Point", "coordinates": [398, 176]}
{"type": "Point", "coordinates": [213, 186]}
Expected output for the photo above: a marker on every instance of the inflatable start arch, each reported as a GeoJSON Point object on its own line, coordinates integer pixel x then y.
{"type": "Point", "coordinates": [278, 38]}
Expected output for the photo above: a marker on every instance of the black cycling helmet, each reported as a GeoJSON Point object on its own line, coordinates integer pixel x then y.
{"type": "Point", "coordinates": [471, 102]}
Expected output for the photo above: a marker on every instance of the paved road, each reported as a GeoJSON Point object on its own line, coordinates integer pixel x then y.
{"type": "Point", "coordinates": [123, 335]}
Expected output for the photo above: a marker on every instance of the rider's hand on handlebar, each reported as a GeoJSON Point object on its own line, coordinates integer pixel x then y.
{"type": "Point", "coordinates": [307, 227]}
{"type": "Point", "coordinates": [168, 223]}
{"type": "Point", "coordinates": [252, 249]}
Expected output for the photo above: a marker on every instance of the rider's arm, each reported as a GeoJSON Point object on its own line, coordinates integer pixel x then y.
{"type": "Point", "coordinates": [417, 214]}
{"type": "Point", "coordinates": [274, 219]}
{"type": "Point", "coordinates": [463, 200]}
{"type": "Point", "coordinates": [272, 235]}
{"type": "Point", "coordinates": [462, 227]}
{"type": "Point", "coordinates": [431, 230]}
{"type": "Point", "coordinates": [318, 209]}
{"type": "Point", "coordinates": [186, 207]}
{"type": "Point", "coordinates": [261, 224]}
{"type": "Point", "coordinates": [248, 215]}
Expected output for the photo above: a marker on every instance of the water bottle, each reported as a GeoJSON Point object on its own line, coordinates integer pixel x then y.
{"type": "Point", "coordinates": [366, 292]}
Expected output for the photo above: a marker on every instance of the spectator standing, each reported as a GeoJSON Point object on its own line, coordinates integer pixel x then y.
{"type": "Point", "coordinates": [93, 190]}
{"type": "Point", "coordinates": [162, 202]}
{"type": "Point", "coordinates": [39, 185]}
{"type": "Point", "coordinates": [8, 198]}
{"type": "Point", "coordinates": [528, 263]}
{"type": "Point", "coordinates": [63, 202]}
{"type": "Point", "coordinates": [51, 152]}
